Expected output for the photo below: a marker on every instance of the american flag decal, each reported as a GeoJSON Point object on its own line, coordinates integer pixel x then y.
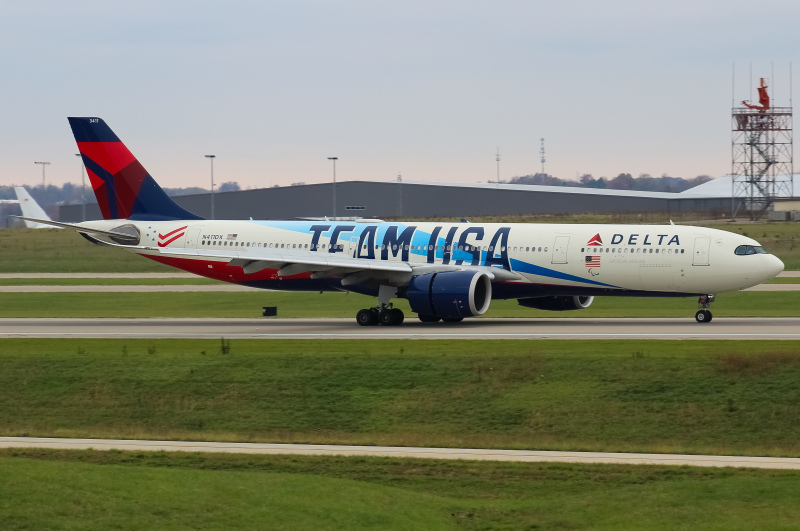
{"type": "Point", "coordinates": [232, 236]}
{"type": "Point", "coordinates": [592, 261]}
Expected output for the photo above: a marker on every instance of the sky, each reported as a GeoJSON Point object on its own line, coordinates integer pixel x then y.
{"type": "Point", "coordinates": [429, 90]}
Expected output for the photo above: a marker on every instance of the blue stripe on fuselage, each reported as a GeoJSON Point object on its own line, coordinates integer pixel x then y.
{"type": "Point", "coordinates": [525, 267]}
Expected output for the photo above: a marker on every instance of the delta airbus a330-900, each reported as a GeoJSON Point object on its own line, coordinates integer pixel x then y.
{"type": "Point", "coordinates": [446, 271]}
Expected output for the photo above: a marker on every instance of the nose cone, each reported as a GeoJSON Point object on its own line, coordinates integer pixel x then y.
{"type": "Point", "coordinates": [773, 267]}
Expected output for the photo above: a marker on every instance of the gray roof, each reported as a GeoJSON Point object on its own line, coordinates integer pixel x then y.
{"type": "Point", "coordinates": [723, 187]}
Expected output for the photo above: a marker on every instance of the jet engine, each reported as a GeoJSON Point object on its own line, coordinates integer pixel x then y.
{"type": "Point", "coordinates": [450, 294]}
{"type": "Point", "coordinates": [557, 304]}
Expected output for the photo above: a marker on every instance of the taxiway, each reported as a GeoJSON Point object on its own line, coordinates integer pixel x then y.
{"type": "Point", "coordinates": [730, 328]}
{"type": "Point", "coordinates": [528, 456]}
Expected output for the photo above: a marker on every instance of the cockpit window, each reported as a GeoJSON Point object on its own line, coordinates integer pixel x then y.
{"type": "Point", "coordinates": [750, 249]}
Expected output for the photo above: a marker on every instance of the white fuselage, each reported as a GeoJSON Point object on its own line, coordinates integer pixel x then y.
{"type": "Point", "coordinates": [527, 259]}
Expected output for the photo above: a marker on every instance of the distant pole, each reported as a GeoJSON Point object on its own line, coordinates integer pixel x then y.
{"type": "Point", "coordinates": [211, 158]}
{"type": "Point", "coordinates": [43, 165]}
{"type": "Point", "coordinates": [334, 159]}
{"type": "Point", "coordinates": [498, 167]}
{"type": "Point", "coordinates": [83, 189]}
{"type": "Point", "coordinates": [399, 195]}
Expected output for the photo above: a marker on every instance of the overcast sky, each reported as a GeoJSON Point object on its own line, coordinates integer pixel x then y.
{"type": "Point", "coordinates": [429, 89]}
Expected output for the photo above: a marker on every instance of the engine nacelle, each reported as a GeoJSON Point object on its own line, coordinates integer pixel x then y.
{"type": "Point", "coordinates": [450, 294]}
{"type": "Point", "coordinates": [557, 304]}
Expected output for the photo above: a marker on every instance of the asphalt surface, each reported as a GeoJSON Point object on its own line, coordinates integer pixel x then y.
{"type": "Point", "coordinates": [407, 452]}
{"type": "Point", "coordinates": [741, 328]}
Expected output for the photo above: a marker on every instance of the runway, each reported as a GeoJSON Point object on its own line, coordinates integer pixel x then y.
{"type": "Point", "coordinates": [685, 328]}
{"type": "Point", "coordinates": [526, 456]}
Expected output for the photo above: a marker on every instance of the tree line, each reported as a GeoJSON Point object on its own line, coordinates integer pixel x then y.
{"type": "Point", "coordinates": [624, 181]}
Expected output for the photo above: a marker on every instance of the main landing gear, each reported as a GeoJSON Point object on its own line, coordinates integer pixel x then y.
{"type": "Point", "coordinates": [384, 313]}
{"type": "Point", "coordinates": [703, 315]}
{"type": "Point", "coordinates": [387, 316]}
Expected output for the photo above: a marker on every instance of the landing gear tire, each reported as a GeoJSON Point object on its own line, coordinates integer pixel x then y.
{"type": "Point", "coordinates": [703, 316]}
{"type": "Point", "coordinates": [367, 317]}
{"type": "Point", "coordinates": [398, 315]}
{"type": "Point", "coordinates": [452, 319]}
{"type": "Point", "coordinates": [428, 318]}
{"type": "Point", "coordinates": [391, 317]}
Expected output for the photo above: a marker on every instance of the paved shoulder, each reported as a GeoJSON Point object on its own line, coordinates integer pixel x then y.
{"type": "Point", "coordinates": [529, 456]}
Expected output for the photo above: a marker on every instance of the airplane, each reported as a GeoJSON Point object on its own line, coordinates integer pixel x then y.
{"type": "Point", "coordinates": [446, 271]}
{"type": "Point", "coordinates": [31, 209]}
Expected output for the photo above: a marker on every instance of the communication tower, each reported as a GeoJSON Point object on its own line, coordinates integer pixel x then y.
{"type": "Point", "coordinates": [762, 155]}
{"type": "Point", "coordinates": [541, 152]}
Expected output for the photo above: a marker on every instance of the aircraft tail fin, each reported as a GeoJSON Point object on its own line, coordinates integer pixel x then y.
{"type": "Point", "coordinates": [123, 188]}
{"type": "Point", "coordinates": [31, 209]}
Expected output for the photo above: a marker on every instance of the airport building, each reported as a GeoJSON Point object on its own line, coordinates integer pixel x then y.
{"type": "Point", "coordinates": [413, 200]}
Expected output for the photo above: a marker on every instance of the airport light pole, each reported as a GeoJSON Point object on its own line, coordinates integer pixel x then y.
{"type": "Point", "coordinates": [211, 158]}
{"type": "Point", "coordinates": [498, 167]}
{"type": "Point", "coordinates": [334, 159]}
{"type": "Point", "coordinates": [43, 165]}
{"type": "Point", "coordinates": [83, 189]}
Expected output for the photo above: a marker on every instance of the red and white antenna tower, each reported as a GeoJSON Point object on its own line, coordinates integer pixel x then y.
{"type": "Point", "coordinates": [762, 154]}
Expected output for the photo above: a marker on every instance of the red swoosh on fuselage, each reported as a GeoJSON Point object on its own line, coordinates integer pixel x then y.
{"type": "Point", "coordinates": [164, 244]}
{"type": "Point", "coordinates": [167, 235]}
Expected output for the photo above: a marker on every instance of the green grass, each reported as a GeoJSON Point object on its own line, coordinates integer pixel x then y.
{"type": "Point", "coordinates": [785, 280]}
{"type": "Point", "coordinates": [345, 305]}
{"type": "Point", "coordinates": [65, 251]}
{"type": "Point", "coordinates": [110, 281]}
{"type": "Point", "coordinates": [148, 490]}
{"type": "Point", "coordinates": [66, 495]}
{"type": "Point", "coordinates": [721, 397]}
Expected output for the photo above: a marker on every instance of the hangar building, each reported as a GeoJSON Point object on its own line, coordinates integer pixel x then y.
{"type": "Point", "coordinates": [395, 200]}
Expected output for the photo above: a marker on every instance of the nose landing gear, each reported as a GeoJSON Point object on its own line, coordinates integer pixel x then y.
{"type": "Point", "coordinates": [703, 315]}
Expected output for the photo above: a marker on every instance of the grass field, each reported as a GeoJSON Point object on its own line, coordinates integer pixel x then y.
{"type": "Point", "coordinates": [723, 397]}
{"type": "Point", "coordinates": [195, 281]}
{"type": "Point", "coordinates": [345, 305]}
{"type": "Point", "coordinates": [111, 490]}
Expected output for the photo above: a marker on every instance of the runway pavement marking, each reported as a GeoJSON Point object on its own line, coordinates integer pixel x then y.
{"type": "Point", "coordinates": [530, 456]}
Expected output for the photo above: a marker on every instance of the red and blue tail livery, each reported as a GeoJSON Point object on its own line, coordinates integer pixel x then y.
{"type": "Point", "coordinates": [446, 271]}
{"type": "Point", "coordinates": [123, 188]}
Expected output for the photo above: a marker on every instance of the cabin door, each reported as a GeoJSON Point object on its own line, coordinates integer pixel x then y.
{"type": "Point", "coordinates": [191, 238]}
{"type": "Point", "coordinates": [701, 247]}
{"type": "Point", "coordinates": [560, 249]}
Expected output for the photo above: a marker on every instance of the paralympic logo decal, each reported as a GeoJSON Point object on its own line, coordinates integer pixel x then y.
{"type": "Point", "coordinates": [174, 235]}
{"type": "Point", "coordinates": [593, 262]}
